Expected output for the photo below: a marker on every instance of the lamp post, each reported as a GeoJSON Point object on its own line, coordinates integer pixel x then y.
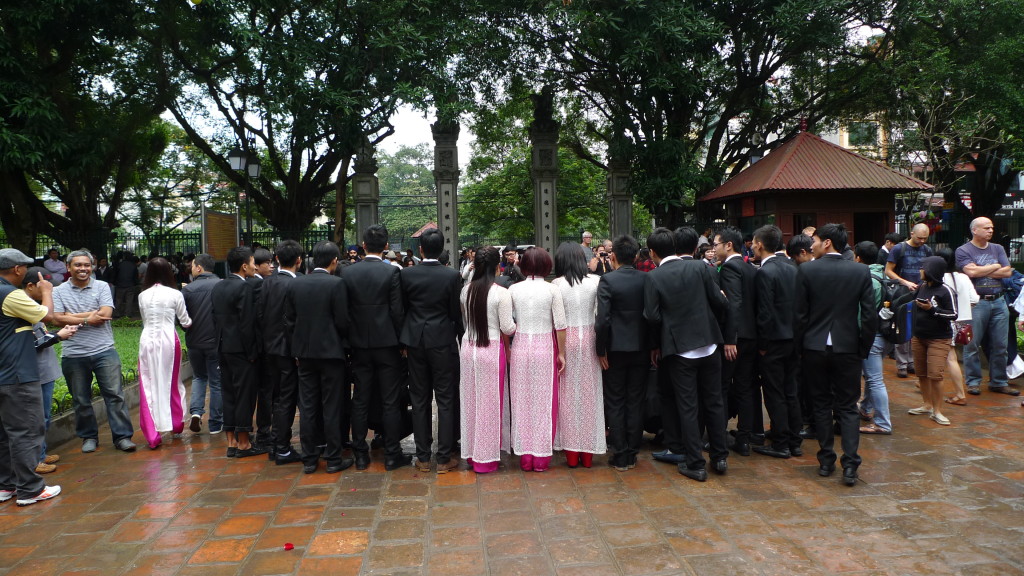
{"type": "Point", "coordinates": [249, 163]}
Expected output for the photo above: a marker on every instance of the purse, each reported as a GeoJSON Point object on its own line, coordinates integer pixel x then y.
{"type": "Point", "coordinates": [964, 333]}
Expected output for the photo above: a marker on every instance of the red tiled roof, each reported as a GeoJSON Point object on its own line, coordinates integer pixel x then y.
{"type": "Point", "coordinates": [423, 229]}
{"type": "Point", "coordinates": [808, 162]}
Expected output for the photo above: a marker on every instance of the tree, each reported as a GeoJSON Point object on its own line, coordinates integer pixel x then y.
{"type": "Point", "coordinates": [307, 86]}
{"type": "Point", "coordinates": [408, 197]}
{"type": "Point", "coordinates": [78, 115]}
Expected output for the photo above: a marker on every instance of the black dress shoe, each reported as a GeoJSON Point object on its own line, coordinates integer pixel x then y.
{"type": "Point", "coordinates": [757, 439]}
{"type": "Point", "coordinates": [377, 442]}
{"type": "Point", "coordinates": [850, 476]}
{"type": "Point", "coordinates": [668, 456]}
{"type": "Point", "coordinates": [254, 450]}
{"type": "Point", "coordinates": [807, 434]}
{"type": "Point", "coordinates": [826, 470]}
{"type": "Point", "coordinates": [231, 452]}
{"type": "Point", "coordinates": [741, 448]}
{"type": "Point", "coordinates": [721, 467]}
{"type": "Point", "coordinates": [700, 474]}
{"type": "Point", "coordinates": [796, 451]}
{"type": "Point", "coordinates": [395, 464]}
{"type": "Point", "coordinates": [290, 457]}
{"type": "Point", "coordinates": [343, 465]}
{"type": "Point", "coordinates": [706, 447]}
{"type": "Point", "coordinates": [308, 468]}
{"type": "Point", "coordinates": [362, 460]}
{"type": "Point", "coordinates": [772, 451]}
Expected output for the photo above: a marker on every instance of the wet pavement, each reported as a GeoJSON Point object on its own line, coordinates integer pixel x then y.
{"type": "Point", "coordinates": [930, 500]}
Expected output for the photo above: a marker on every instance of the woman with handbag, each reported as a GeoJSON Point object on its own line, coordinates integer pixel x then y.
{"type": "Point", "coordinates": [966, 297]}
{"type": "Point", "coordinates": [934, 312]}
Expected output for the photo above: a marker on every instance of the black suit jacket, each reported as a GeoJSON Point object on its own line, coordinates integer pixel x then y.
{"type": "Point", "coordinates": [503, 281]}
{"type": "Point", "coordinates": [834, 296]}
{"type": "Point", "coordinates": [620, 322]}
{"type": "Point", "coordinates": [234, 316]}
{"type": "Point", "coordinates": [202, 334]}
{"type": "Point", "coordinates": [374, 303]}
{"type": "Point", "coordinates": [737, 281]}
{"type": "Point", "coordinates": [270, 311]}
{"type": "Point", "coordinates": [775, 285]}
{"type": "Point", "coordinates": [430, 294]}
{"type": "Point", "coordinates": [682, 302]}
{"type": "Point", "coordinates": [316, 315]}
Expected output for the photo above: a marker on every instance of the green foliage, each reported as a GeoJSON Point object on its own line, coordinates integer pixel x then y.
{"type": "Point", "coordinates": [408, 198]}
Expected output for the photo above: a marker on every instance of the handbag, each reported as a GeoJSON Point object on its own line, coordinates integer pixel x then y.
{"type": "Point", "coordinates": [964, 333]}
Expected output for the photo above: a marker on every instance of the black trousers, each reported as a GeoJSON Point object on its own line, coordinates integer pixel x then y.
{"type": "Point", "coordinates": [321, 399]}
{"type": "Point", "coordinates": [266, 392]}
{"type": "Point", "coordinates": [625, 384]}
{"type": "Point", "coordinates": [833, 381]}
{"type": "Point", "coordinates": [377, 369]}
{"type": "Point", "coordinates": [672, 435]}
{"type": "Point", "coordinates": [696, 382]}
{"type": "Point", "coordinates": [430, 377]}
{"type": "Point", "coordinates": [738, 387]}
{"type": "Point", "coordinates": [781, 396]}
{"type": "Point", "coordinates": [285, 380]}
{"type": "Point", "coordinates": [238, 391]}
{"type": "Point", "coordinates": [457, 394]}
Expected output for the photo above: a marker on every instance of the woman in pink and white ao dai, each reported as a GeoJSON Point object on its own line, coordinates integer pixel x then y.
{"type": "Point", "coordinates": [580, 392]}
{"type": "Point", "coordinates": [162, 394]}
{"type": "Point", "coordinates": [533, 368]}
{"type": "Point", "coordinates": [482, 386]}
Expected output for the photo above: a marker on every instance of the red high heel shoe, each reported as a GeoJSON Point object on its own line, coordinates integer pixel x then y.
{"type": "Point", "coordinates": [587, 459]}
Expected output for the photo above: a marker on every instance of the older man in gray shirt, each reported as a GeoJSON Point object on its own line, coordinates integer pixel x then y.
{"type": "Point", "coordinates": [86, 301]}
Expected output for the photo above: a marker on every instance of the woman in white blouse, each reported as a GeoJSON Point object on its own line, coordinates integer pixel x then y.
{"type": "Point", "coordinates": [161, 392]}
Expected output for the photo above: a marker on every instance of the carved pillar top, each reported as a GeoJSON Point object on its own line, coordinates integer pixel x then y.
{"type": "Point", "coordinates": [365, 163]}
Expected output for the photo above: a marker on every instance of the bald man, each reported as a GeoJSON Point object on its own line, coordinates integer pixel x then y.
{"type": "Point", "coordinates": [986, 264]}
{"type": "Point", "coordinates": [904, 266]}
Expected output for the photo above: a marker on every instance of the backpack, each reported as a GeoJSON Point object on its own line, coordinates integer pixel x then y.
{"type": "Point", "coordinates": [895, 329]}
{"type": "Point", "coordinates": [1012, 287]}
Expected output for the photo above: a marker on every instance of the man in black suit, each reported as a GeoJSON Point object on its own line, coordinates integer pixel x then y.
{"type": "Point", "coordinates": [263, 262]}
{"type": "Point", "coordinates": [623, 349]}
{"type": "Point", "coordinates": [316, 321]}
{"type": "Point", "coordinates": [687, 340]}
{"type": "Point", "coordinates": [282, 375]}
{"type": "Point", "coordinates": [376, 313]}
{"type": "Point", "coordinates": [736, 278]}
{"type": "Point", "coordinates": [234, 315]}
{"type": "Point", "coordinates": [201, 340]}
{"type": "Point", "coordinates": [433, 321]}
{"type": "Point", "coordinates": [775, 284]}
{"type": "Point", "coordinates": [835, 325]}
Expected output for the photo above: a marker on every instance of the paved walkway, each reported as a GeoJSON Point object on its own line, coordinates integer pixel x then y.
{"type": "Point", "coordinates": [931, 500]}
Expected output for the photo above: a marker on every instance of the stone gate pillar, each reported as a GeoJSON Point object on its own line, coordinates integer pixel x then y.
{"type": "Point", "coordinates": [365, 190]}
{"type": "Point", "coordinates": [446, 182]}
{"type": "Point", "coordinates": [544, 170]}
{"type": "Point", "coordinates": [620, 200]}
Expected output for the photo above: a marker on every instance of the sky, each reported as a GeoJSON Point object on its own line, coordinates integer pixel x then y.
{"type": "Point", "coordinates": [411, 129]}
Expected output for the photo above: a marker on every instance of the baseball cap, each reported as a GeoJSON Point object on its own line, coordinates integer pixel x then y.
{"type": "Point", "coordinates": [10, 257]}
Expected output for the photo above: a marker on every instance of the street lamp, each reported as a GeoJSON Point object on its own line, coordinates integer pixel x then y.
{"type": "Point", "coordinates": [249, 164]}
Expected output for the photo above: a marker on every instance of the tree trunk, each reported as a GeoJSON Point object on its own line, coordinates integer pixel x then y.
{"type": "Point", "coordinates": [16, 215]}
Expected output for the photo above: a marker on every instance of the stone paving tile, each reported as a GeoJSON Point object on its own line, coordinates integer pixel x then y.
{"type": "Point", "coordinates": [931, 500]}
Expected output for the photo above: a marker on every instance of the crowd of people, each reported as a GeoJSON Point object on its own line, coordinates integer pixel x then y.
{"type": "Point", "coordinates": [730, 326]}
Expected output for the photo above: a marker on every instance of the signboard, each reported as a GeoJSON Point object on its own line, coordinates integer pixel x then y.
{"type": "Point", "coordinates": [220, 233]}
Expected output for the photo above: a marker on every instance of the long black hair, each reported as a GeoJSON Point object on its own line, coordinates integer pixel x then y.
{"type": "Point", "coordinates": [571, 263]}
{"type": "Point", "coordinates": [484, 265]}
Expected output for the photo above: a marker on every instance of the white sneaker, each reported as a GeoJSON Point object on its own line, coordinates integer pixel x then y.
{"type": "Point", "coordinates": [195, 423]}
{"type": "Point", "coordinates": [920, 410]}
{"type": "Point", "coordinates": [46, 494]}
{"type": "Point", "coordinates": [6, 495]}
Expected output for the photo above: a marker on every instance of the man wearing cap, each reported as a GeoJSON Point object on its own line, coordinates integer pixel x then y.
{"type": "Point", "coordinates": [86, 301]}
{"type": "Point", "coordinates": [21, 421]}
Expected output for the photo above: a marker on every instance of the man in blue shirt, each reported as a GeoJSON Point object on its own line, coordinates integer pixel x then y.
{"type": "Point", "coordinates": [904, 265]}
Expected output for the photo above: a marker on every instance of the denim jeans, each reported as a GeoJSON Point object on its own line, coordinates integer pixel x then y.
{"type": "Point", "coordinates": [107, 367]}
{"type": "Point", "coordinates": [988, 317]}
{"type": "Point", "coordinates": [875, 395]}
{"type": "Point", "coordinates": [47, 410]}
{"type": "Point", "coordinates": [206, 372]}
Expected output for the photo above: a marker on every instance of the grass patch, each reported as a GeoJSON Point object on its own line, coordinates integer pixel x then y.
{"type": "Point", "coordinates": [126, 341]}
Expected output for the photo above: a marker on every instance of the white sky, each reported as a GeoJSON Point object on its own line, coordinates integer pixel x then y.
{"type": "Point", "coordinates": [411, 128]}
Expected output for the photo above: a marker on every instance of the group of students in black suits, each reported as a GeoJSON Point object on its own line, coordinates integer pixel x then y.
{"type": "Point", "coordinates": [303, 333]}
{"type": "Point", "coordinates": [722, 339]}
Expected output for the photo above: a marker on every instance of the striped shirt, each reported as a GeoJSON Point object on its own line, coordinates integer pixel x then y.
{"type": "Point", "coordinates": [89, 340]}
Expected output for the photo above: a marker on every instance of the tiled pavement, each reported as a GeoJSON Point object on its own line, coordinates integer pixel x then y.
{"type": "Point", "coordinates": [931, 500]}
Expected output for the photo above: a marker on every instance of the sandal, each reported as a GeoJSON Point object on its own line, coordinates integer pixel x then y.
{"type": "Point", "coordinates": [957, 400]}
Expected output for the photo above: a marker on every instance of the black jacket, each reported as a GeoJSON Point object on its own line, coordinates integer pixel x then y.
{"type": "Point", "coordinates": [620, 322]}
{"type": "Point", "coordinates": [775, 286]}
{"type": "Point", "coordinates": [234, 316]}
{"type": "Point", "coordinates": [316, 315]}
{"type": "Point", "coordinates": [374, 303]}
{"type": "Point", "coordinates": [737, 281]}
{"type": "Point", "coordinates": [202, 335]}
{"type": "Point", "coordinates": [835, 297]}
{"type": "Point", "coordinates": [683, 302]}
{"type": "Point", "coordinates": [270, 312]}
{"type": "Point", "coordinates": [430, 295]}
